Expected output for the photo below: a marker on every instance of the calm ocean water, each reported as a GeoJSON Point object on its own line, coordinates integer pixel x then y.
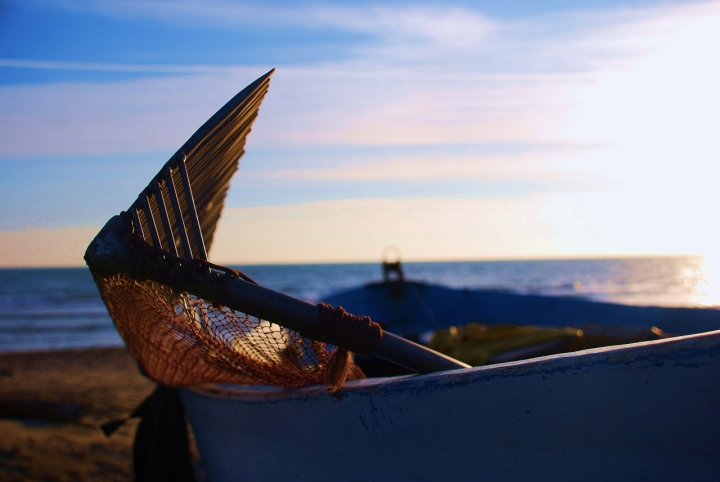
{"type": "Point", "coordinates": [60, 308]}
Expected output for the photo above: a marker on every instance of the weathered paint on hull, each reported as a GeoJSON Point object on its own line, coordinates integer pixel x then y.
{"type": "Point", "coordinates": [646, 411]}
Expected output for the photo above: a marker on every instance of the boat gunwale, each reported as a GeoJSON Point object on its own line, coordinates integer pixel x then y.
{"type": "Point", "coordinates": [577, 360]}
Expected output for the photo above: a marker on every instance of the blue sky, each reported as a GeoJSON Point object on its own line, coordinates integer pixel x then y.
{"type": "Point", "coordinates": [463, 130]}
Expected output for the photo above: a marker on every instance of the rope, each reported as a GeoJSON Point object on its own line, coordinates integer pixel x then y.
{"type": "Point", "coordinates": [354, 333]}
{"type": "Point", "coordinates": [338, 369]}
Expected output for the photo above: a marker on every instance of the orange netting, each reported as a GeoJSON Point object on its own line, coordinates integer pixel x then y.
{"type": "Point", "coordinates": [182, 340]}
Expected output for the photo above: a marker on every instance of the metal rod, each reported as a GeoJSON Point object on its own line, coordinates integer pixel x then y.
{"type": "Point", "coordinates": [191, 208]}
{"type": "Point", "coordinates": [150, 220]}
{"type": "Point", "coordinates": [179, 220]}
{"type": "Point", "coordinates": [136, 220]}
{"type": "Point", "coordinates": [169, 236]}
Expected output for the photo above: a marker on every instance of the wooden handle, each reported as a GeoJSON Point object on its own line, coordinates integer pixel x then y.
{"type": "Point", "coordinates": [301, 316]}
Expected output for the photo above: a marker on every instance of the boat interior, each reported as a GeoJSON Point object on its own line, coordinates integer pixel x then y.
{"type": "Point", "coordinates": [478, 344]}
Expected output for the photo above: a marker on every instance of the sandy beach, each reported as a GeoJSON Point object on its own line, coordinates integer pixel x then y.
{"type": "Point", "coordinates": [52, 405]}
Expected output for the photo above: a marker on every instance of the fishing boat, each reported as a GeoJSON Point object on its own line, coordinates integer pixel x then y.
{"type": "Point", "coordinates": [637, 411]}
{"type": "Point", "coordinates": [413, 307]}
{"type": "Point", "coordinates": [645, 411]}
{"type": "Point", "coordinates": [271, 392]}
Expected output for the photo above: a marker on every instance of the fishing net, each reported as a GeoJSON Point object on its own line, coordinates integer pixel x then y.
{"type": "Point", "coordinates": [181, 340]}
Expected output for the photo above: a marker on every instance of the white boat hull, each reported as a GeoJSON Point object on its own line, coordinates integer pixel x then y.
{"type": "Point", "coordinates": [645, 411]}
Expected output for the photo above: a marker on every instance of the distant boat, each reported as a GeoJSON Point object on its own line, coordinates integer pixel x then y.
{"type": "Point", "coordinates": [413, 307]}
{"type": "Point", "coordinates": [648, 410]}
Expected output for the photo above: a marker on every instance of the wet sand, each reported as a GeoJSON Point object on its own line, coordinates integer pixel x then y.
{"type": "Point", "coordinates": [52, 405]}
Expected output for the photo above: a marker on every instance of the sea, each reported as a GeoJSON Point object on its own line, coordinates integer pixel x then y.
{"type": "Point", "coordinates": [60, 308]}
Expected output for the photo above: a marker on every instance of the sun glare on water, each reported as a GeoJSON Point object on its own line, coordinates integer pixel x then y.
{"type": "Point", "coordinates": [707, 288]}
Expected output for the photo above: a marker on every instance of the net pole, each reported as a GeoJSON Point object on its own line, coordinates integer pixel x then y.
{"type": "Point", "coordinates": [301, 316]}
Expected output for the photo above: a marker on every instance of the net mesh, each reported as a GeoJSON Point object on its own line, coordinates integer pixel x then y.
{"type": "Point", "coordinates": [180, 339]}
{"type": "Point", "coordinates": [183, 340]}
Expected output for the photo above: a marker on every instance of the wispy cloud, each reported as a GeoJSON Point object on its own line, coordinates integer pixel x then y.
{"type": "Point", "coordinates": [510, 89]}
{"type": "Point", "coordinates": [450, 36]}
{"type": "Point", "coordinates": [114, 67]}
{"type": "Point", "coordinates": [633, 89]}
{"type": "Point", "coordinates": [80, 118]}
{"type": "Point", "coordinates": [323, 105]}
{"type": "Point", "coordinates": [532, 166]}
{"type": "Point", "coordinates": [448, 25]}
{"type": "Point", "coordinates": [359, 229]}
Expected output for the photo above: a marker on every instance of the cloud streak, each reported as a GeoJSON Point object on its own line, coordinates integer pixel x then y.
{"type": "Point", "coordinates": [629, 97]}
{"type": "Point", "coordinates": [453, 36]}
{"type": "Point", "coordinates": [82, 118]}
{"type": "Point", "coordinates": [524, 167]}
{"type": "Point", "coordinates": [114, 67]}
{"type": "Point", "coordinates": [446, 25]}
{"type": "Point", "coordinates": [359, 229]}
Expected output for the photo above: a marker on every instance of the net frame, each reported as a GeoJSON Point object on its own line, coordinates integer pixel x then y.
{"type": "Point", "coordinates": [180, 339]}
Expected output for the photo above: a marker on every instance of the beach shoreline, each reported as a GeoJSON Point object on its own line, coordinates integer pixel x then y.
{"type": "Point", "coordinates": [52, 404]}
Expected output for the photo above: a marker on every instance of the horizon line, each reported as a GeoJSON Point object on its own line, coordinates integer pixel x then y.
{"type": "Point", "coordinates": [586, 257]}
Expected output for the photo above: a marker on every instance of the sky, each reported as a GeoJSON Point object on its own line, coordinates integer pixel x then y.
{"type": "Point", "coordinates": [454, 131]}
